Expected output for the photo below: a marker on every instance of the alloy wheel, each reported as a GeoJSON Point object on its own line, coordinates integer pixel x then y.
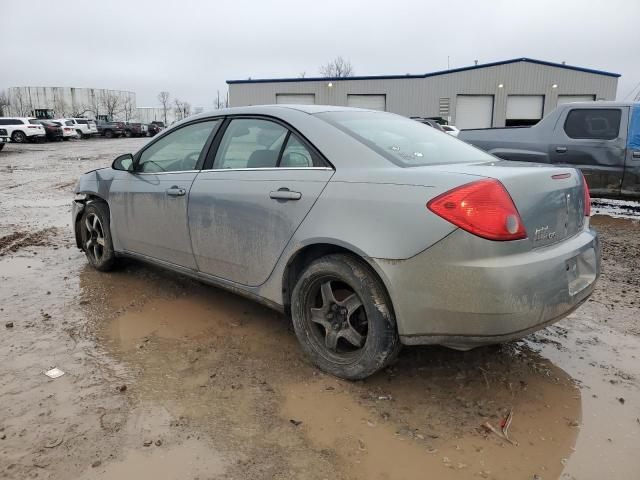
{"type": "Point", "coordinates": [94, 245]}
{"type": "Point", "coordinates": [339, 316]}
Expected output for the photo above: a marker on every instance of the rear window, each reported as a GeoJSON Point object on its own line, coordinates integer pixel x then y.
{"type": "Point", "coordinates": [403, 141]}
{"type": "Point", "coordinates": [34, 121]}
{"type": "Point", "coordinates": [593, 123]}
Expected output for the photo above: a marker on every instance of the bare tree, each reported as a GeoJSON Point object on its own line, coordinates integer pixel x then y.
{"type": "Point", "coordinates": [20, 104]}
{"type": "Point", "coordinates": [182, 109]}
{"type": "Point", "coordinates": [111, 103]}
{"type": "Point", "coordinates": [302, 74]}
{"type": "Point", "coordinates": [338, 67]}
{"type": "Point", "coordinates": [93, 107]}
{"type": "Point", "coordinates": [163, 98]}
{"type": "Point", "coordinates": [127, 108]}
{"type": "Point", "coordinates": [4, 103]}
{"type": "Point", "coordinates": [219, 103]}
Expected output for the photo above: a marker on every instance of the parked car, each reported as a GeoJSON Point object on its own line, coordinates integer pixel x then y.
{"type": "Point", "coordinates": [370, 229]}
{"type": "Point", "coordinates": [135, 130]}
{"type": "Point", "coordinates": [600, 138]}
{"type": "Point", "coordinates": [4, 137]}
{"type": "Point", "coordinates": [68, 129]}
{"type": "Point", "coordinates": [111, 129]}
{"type": "Point", "coordinates": [159, 124]}
{"type": "Point", "coordinates": [84, 127]}
{"type": "Point", "coordinates": [429, 121]}
{"type": "Point", "coordinates": [153, 129]}
{"type": "Point", "coordinates": [451, 130]}
{"type": "Point", "coordinates": [22, 129]}
{"type": "Point", "coordinates": [53, 130]}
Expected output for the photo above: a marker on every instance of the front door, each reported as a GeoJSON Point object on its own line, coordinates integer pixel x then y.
{"type": "Point", "coordinates": [149, 206]}
{"type": "Point", "coordinates": [593, 140]}
{"type": "Point", "coordinates": [244, 211]}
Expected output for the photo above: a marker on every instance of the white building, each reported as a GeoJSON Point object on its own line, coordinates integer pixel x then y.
{"type": "Point", "coordinates": [47, 102]}
{"type": "Point", "coordinates": [507, 93]}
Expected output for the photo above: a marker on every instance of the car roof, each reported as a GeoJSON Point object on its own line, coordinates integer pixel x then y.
{"type": "Point", "coordinates": [276, 109]}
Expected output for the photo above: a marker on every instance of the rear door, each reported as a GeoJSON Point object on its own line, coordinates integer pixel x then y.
{"type": "Point", "coordinates": [243, 210]}
{"type": "Point", "coordinates": [593, 140]}
{"type": "Point", "coordinates": [149, 206]}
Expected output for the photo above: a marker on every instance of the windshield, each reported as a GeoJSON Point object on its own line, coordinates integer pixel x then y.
{"type": "Point", "coordinates": [403, 141]}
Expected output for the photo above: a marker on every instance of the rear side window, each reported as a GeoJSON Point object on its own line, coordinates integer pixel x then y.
{"type": "Point", "coordinates": [34, 121]}
{"type": "Point", "coordinates": [250, 143]}
{"type": "Point", "coordinates": [82, 122]}
{"type": "Point", "coordinates": [593, 123]}
{"type": "Point", "coordinates": [69, 123]}
{"type": "Point", "coordinates": [296, 155]}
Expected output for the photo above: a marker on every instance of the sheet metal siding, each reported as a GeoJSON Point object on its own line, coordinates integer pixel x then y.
{"type": "Point", "coordinates": [421, 96]}
{"type": "Point", "coordinates": [64, 100]}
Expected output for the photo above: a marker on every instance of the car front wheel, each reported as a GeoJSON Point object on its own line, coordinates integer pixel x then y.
{"type": "Point", "coordinates": [343, 318]}
{"type": "Point", "coordinates": [96, 236]}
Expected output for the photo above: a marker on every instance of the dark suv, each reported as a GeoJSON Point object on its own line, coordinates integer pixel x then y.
{"type": "Point", "coordinates": [135, 130]}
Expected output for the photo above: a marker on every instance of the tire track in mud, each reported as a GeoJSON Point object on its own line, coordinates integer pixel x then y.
{"type": "Point", "coordinates": [17, 240]}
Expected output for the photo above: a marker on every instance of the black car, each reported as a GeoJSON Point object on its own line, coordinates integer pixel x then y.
{"type": "Point", "coordinates": [153, 129]}
{"type": "Point", "coordinates": [52, 129]}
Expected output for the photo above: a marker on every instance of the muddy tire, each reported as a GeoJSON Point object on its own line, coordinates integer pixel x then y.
{"type": "Point", "coordinates": [128, 133]}
{"type": "Point", "coordinates": [108, 133]}
{"type": "Point", "coordinates": [1, 146]}
{"type": "Point", "coordinates": [343, 317]}
{"type": "Point", "coordinates": [96, 236]}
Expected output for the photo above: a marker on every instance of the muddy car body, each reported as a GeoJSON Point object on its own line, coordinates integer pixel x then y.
{"type": "Point", "coordinates": [371, 229]}
{"type": "Point", "coordinates": [602, 139]}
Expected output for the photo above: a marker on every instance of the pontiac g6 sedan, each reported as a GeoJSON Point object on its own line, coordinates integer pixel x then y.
{"type": "Point", "coordinates": [370, 229]}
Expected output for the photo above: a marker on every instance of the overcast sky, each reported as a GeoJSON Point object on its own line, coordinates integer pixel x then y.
{"type": "Point", "coordinates": [191, 47]}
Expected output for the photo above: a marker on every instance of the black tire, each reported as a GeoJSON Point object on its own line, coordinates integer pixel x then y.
{"type": "Point", "coordinates": [128, 133]}
{"type": "Point", "coordinates": [80, 135]}
{"type": "Point", "coordinates": [96, 236]}
{"type": "Point", "coordinates": [370, 314]}
{"type": "Point", "coordinates": [18, 137]}
{"type": "Point", "coordinates": [1, 146]}
{"type": "Point", "coordinates": [108, 133]}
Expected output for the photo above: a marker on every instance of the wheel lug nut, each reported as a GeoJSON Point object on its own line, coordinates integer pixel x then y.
{"type": "Point", "coordinates": [329, 315]}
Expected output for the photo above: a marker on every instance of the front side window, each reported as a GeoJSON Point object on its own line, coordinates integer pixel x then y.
{"type": "Point", "coordinates": [177, 151]}
{"type": "Point", "coordinates": [250, 143]}
{"type": "Point", "coordinates": [593, 123]}
{"type": "Point", "coordinates": [403, 141]}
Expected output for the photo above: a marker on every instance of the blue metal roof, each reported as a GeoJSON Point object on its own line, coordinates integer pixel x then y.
{"type": "Point", "coordinates": [425, 75]}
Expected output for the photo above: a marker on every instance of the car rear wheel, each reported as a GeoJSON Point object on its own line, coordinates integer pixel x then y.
{"type": "Point", "coordinates": [1, 146]}
{"type": "Point", "coordinates": [128, 133]}
{"type": "Point", "coordinates": [19, 137]}
{"type": "Point", "coordinates": [108, 133]}
{"type": "Point", "coordinates": [96, 236]}
{"type": "Point", "coordinates": [343, 318]}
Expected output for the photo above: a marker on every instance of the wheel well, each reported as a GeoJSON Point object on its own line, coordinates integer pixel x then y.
{"type": "Point", "coordinates": [76, 229]}
{"type": "Point", "coordinates": [304, 257]}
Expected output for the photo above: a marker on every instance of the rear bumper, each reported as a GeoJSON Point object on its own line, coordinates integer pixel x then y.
{"type": "Point", "coordinates": [465, 291]}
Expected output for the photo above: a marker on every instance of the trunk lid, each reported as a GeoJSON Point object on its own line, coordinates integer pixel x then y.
{"type": "Point", "coordinates": [550, 200]}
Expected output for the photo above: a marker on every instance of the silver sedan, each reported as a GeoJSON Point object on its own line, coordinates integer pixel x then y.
{"type": "Point", "coordinates": [369, 229]}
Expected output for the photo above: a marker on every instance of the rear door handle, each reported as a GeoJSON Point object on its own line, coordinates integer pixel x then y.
{"type": "Point", "coordinates": [636, 154]}
{"type": "Point", "coordinates": [175, 191]}
{"type": "Point", "coordinates": [285, 194]}
{"type": "Point", "coordinates": [561, 149]}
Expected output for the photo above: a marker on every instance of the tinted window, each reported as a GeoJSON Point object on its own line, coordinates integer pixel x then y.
{"type": "Point", "coordinates": [69, 123]}
{"type": "Point", "coordinates": [177, 151]}
{"type": "Point", "coordinates": [403, 141]}
{"type": "Point", "coordinates": [600, 123]}
{"type": "Point", "coordinates": [82, 122]}
{"type": "Point", "coordinates": [250, 143]}
{"type": "Point", "coordinates": [295, 154]}
{"type": "Point", "coordinates": [10, 121]}
{"type": "Point", "coordinates": [34, 121]}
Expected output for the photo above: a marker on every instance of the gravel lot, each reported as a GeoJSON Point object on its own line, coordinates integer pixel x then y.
{"type": "Point", "coordinates": [170, 379]}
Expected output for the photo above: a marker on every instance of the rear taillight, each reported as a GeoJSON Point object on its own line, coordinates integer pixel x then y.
{"type": "Point", "coordinates": [587, 197]}
{"type": "Point", "coordinates": [483, 208]}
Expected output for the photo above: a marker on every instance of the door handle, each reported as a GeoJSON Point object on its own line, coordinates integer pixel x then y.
{"type": "Point", "coordinates": [636, 154]}
{"type": "Point", "coordinates": [561, 149]}
{"type": "Point", "coordinates": [285, 194]}
{"type": "Point", "coordinates": [175, 191]}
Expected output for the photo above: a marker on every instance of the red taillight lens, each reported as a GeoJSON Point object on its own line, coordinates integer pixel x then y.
{"type": "Point", "coordinates": [587, 197]}
{"type": "Point", "coordinates": [483, 208]}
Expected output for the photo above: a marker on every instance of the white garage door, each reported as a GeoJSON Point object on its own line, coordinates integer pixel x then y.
{"type": "Point", "coordinates": [474, 111]}
{"type": "Point", "coordinates": [562, 99]}
{"type": "Point", "coordinates": [296, 98]}
{"type": "Point", "coordinates": [524, 107]}
{"type": "Point", "coordinates": [372, 102]}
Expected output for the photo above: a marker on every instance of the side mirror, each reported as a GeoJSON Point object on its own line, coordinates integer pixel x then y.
{"type": "Point", "coordinates": [123, 162]}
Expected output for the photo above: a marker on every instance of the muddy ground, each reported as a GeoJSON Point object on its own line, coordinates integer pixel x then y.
{"type": "Point", "coordinates": [170, 379]}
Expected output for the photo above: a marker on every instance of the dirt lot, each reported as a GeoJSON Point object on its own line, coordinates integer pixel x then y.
{"type": "Point", "coordinates": [170, 379]}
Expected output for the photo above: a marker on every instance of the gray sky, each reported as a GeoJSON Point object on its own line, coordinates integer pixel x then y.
{"type": "Point", "coordinates": [191, 47]}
